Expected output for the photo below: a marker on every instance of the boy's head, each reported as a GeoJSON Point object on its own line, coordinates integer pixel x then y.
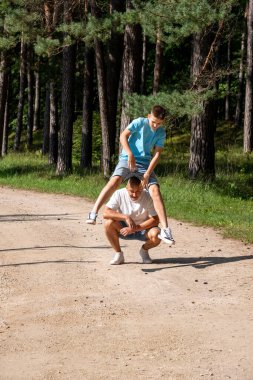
{"type": "Point", "coordinates": [156, 117]}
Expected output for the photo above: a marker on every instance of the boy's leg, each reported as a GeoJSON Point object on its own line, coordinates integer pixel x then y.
{"type": "Point", "coordinates": [165, 234]}
{"type": "Point", "coordinates": [156, 195]}
{"type": "Point", "coordinates": [105, 193]}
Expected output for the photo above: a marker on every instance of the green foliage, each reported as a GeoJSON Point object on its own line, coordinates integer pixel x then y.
{"type": "Point", "coordinates": [188, 103]}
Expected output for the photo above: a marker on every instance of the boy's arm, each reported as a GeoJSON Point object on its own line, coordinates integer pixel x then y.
{"type": "Point", "coordinates": [152, 165]}
{"type": "Point", "coordinates": [124, 142]}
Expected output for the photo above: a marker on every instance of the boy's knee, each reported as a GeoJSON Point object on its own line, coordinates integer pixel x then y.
{"type": "Point", "coordinates": [108, 224]}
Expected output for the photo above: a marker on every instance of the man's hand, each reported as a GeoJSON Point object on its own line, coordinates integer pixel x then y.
{"type": "Point", "coordinates": [131, 162]}
{"type": "Point", "coordinates": [127, 231]}
{"type": "Point", "coordinates": [129, 221]}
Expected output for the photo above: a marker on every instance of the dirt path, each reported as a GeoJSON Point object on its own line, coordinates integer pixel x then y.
{"type": "Point", "coordinates": [66, 314]}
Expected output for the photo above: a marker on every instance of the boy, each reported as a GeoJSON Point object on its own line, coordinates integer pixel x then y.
{"type": "Point", "coordinates": [138, 139]}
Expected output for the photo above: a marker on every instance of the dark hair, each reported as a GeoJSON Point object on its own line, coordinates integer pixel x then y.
{"type": "Point", "coordinates": [134, 181]}
{"type": "Point", "coordinates": [158, 112]}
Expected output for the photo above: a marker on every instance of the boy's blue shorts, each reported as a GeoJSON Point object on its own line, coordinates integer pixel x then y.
{"type": "Point", "coordinates": [139, 235]}
{"type": "Point", "coordinates": [123, 171]}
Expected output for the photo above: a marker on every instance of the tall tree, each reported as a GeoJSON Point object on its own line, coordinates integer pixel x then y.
{"type": "Point", "coordinates": [202, 152]}
{"type": "Point", "coordinates": [132, 64]}
{"type": "Point", "coordinates": [21, 97]}
{"type": "Point", "coordinates": [248, 115]}
{"type": "Point", "coordinates": [64, 163]}
{"type": "Point", "coordinates": [102, 95]}
{"type": "Point", "coordinates": [239, 95]}
{"type": "Point", "coordinates": [53, 125]}
{"type": "Point", "coordinates": [36, 117]}
{"type": "Point", "coordinates": [3, 93]}
{"type": "Point", "coordinates": [228, 94]}
{"type": "Point", "coordinates": [88, 94]}
{"type": "Point", "coordinates": [30, 94]}
{"type": "Point", "coordinates": [158, 62]}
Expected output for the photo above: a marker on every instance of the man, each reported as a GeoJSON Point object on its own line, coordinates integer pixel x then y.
{"type": "Point", "coordinates": [130, 214]}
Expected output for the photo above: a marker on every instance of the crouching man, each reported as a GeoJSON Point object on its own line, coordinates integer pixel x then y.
{"type": "Point", "coordinates": [130, 215]}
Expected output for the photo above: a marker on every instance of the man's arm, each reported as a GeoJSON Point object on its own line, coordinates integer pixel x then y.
{"type": "Point", "coordinates": [124, 142]}
{"type": "Point", "coordinates": [118, 216]}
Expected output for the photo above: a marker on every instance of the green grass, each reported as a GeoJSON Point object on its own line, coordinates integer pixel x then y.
{"type": "Point", "coordinates": [225, 204]}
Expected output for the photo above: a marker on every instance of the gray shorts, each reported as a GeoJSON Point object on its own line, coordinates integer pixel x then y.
{"type": "Point", "coordinates": [123, 171]}
{"type": "Point", "coordinates": [139, 235]}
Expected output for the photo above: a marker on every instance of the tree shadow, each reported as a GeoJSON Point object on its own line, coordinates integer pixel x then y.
{"type": "Point", "coordinates": [35, 217]}
{"type": "Point", "coordinates": [48, 262]}
{"type": "Point", "coordinates": [197, 263]}
{"type": "Point", "coordinates": [42, 248]}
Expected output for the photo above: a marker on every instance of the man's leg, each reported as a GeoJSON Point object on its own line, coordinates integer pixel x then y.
{"type": "Point", "coordinates": [153, 241]}
{"type": "Point", "coordinates": [105, 193]}
{"type": "Point", "coordinates": [112, 229]}
{"type": "Point", "coordinates": [156, 195]}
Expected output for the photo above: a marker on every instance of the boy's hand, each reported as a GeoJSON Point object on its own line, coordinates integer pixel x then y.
{"type": "Point", "coordinates": [126, 231]}
{"type": "Point", "coordinates": [131, 163]}
{"type": "Point", "coordinates": [144, 180]}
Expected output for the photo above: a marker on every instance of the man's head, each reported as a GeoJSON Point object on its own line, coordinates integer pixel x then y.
{"type": "Point", "coordinates": [134, 188]}
{"type": "Point", "coordinates": [156, 117]}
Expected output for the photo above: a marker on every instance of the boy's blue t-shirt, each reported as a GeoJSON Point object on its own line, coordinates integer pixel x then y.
{"type": "Point", "coordinates": [143, 139]}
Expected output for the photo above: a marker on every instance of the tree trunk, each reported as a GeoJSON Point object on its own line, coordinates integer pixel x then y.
{"type": "Point", "coordinates": [64, 163]}
{"type": "Point", "coordinates": [102, 95]}
{"type": "Point", "coordinates": [30, 85]}
{"type": "Point", "coordinates": [86, 148]}
{"type": "Point", "coordinates": [53, 125]}
{"type": "Point", "coordinates": [115, 53]}
{"type": "Point", "coordinates": [132, 64]}
{"type": "Point", "coordinates": [144, 65]}
{"type": "Point", "coordinates": [36, 116]}
{"type": "Point", "coordinates": [239, 96]}
{"type": "Point", "coordinates": [3, 94]}
{"type": "Point", "coordinates": [46, 123]}
{"type": "Point", "coordinates": [202, 152]}
{"type": "Point", "coordinates": [21, 97]}
{"type": "Point", "coordinates": [158, 63]}
{"type": "Point", "coordinates": [228, 94]}
{"type": "Point", "coordinates": [248, 117]}
{"type": "Point", "coordinates": [6, 122]}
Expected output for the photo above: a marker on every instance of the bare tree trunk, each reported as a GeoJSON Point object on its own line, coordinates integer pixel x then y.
{"type": "Point", "coordinates": [21, 98]}
{"type": "Point", "coordinates": [86, 148]}
{"type": "Point", "coordinates": [248, 117]}
{"type": "Point", "coordinates": [3, 94]}
{"type": "Point", "coordinates": [115, 53]}
{"type": "Point", "coordinates": [239, 96]}
{"type": "Point", "coordinates": [36, 116]}
{"type": "Point", "coordinates": [64, 163]}
{"type": "Point", "coordinates": [53, 125]}
{"type": "Point", "coordinates": [158, 63]}
{"type": "Point", "coordinates": [202, 152]}
{"type": "Point", "coordinates": [46, 123]}
{"type": "Point", "coordinates": [132, 64]}
{"type": "Point", "coordinates": [144, 65]}
{"type": "Point", "coordinates": [6, 123]}
{"type": "Point", "coordinates": [30, 84]}
{"type": "Point", "coordinates": [102, 95]}
{"type": "Point", "coordinates": [228, 94]}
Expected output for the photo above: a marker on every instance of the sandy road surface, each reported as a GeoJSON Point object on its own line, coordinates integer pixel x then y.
{"type": "Point", "coordinates": [66, 314]}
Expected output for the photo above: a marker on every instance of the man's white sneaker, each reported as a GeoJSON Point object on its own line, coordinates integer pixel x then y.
{"type": "Point", "coordinates": [146, 259]}
{"type": "Point", "coordinates": [166, 236]}
{"type": "Point", "coordinates": [118, 259]}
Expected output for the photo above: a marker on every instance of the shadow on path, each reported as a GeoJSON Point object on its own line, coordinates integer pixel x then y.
{"type": "Point", "coordinates": [198, 263]}
{"type": "Point", "coordinates": [49, 262]}
{"type": "Point", "coordinates": [42, 248]}
{"type": "Point", "coordinates": [36, 217]}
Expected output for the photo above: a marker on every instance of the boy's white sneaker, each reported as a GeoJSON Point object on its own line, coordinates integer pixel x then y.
{"type": "Point", "coordinates": [146, 259]}
{"type": "Point", "coordinates": [118, 259]}
{"type": "Point", "coordinates": [166, 236]}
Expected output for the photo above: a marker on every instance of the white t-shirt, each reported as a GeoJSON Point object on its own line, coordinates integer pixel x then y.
{"type": "Point", "coordinates": [139, 210]}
